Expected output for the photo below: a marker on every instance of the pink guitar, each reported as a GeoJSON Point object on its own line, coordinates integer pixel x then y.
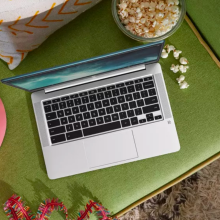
{"type": "Point", "coordinates": [2, 122]}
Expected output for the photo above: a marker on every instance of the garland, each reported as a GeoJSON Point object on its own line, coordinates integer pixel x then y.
{"type": "Point", "coordinates": [16, 209]}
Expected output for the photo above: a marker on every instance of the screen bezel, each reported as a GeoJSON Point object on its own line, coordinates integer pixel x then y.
{"type": "Point", "coordinates": [41, 72]}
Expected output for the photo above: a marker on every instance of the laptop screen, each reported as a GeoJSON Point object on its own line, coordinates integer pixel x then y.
{"type": "Point", "coordinates": [38, 80]}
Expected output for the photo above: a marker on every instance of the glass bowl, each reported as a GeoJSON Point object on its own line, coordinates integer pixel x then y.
{"type": "Point", "coordinates": [143, 39]}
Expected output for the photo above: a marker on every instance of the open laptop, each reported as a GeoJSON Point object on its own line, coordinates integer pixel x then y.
{"type": "Point", "coordinates": [101, 112]}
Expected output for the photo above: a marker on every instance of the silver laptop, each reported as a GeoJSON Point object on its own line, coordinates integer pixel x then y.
{"type": "Point", "coordinates": [101, 112]}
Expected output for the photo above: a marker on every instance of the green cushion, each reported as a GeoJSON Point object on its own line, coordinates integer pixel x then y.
{"type": "Point", "coordinates": [206, 17]}
{"type": "Point", "coordinates": [196, 113]}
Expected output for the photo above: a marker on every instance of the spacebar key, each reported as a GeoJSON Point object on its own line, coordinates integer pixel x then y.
{"type": "Point", "coordinates": [101, 128]}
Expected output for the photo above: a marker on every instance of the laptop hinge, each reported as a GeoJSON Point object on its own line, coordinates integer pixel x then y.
{"type": "Point", "coordinates": [94, 78]}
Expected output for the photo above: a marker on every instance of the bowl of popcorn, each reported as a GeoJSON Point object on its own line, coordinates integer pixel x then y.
{"type": "Point", "coordinates": [148, 20]}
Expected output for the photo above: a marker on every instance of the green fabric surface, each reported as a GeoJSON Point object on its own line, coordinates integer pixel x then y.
{"type": "Point", "coordinates": [206, 17]}
{"type": "Point", "coordinates": [196, 113]}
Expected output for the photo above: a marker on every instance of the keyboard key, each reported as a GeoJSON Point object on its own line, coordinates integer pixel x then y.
{"type": "Point", "coordinates": [158, 117]}
{"type": "Point", "coordinates": [123, 90]}
{"type": "Point", "coordinates": [115, 117]}
{"type": "Point", "coordinates": [110, 87]}
{"type": "Point", "coordinates": [101, 112]}
{"type": "Point", "coordinates": [136, 95]}
{"type": "Point", "coordinates": [82, 108]}
{"type": "Point", "coordinates": [98, 104]}
{"type": "Point", "coordinates": [57, 130]}
{"type": "Point", "coordinates": [77, 126]}
{"type": "Point", "coordinates": [84, 124]}
{"type": "Point", "coordinates": [108, 94]}
{"type": "Point", "coordinates": [100, 96]}
{"type": "Point", "coordinates": [148, 78]}
{"type": "Point", "coordinates": [93, 91]}
{"type": "Point", "coordinates": [122, 115]}
{"type": "Point", "coordinates": [113, 101]}
{"type": "Point", "coordinates": [107, 118]}
{"type": "Point", "coordinates": [134, 121]}
{"type": "Point", "coordinates": [65, 98]}
{"type": "Point", "coordinates": [79, 117]}
{"type": "Point", "coordinates": [132, 104]}
{"type": "Point", "coordinates": [83, 93]}
{"type": "Point", "coordinates": [124, 106]}
{"type": "Point", "coordinates": [53, 123]}
{"type": "Point", "coordinates": [70, 103]}
{"type": "Point", "coordinates": [120, 85]}
{"type": "Point", "coordinates": [138, 111]}
{"type": "Point", "coordinates": [149, 115]}
{"type": "Point", "coordinates": [140, 103]}
{"type": "Point", "coordinates": [150, 119]}
{"type": "Point", "coordinates": [148, 85]}
{"type": "Point", "coordinates": [99, 120]}
{"type": "Point", "coordinates": [92, 122]}
{"type": "Point", "coordinates": [55, 107]}
{"type": "Point", "coordinates": [51, 116]}
{"type": "Point", "coordinates": [144, 94]}
{"type": "Point", "coordinates": [58, 138]}
{"type": "Point", "coordinates": [128, 97]}
{"type": "Point", "coordinates": [94, 114]}
{"type": "Point", "coordinates": [138, 87]}
{"type": "Point", "coordinates": [115, 92]}
{"type": "Point", "coordinates": [73, 96]}
{"type": "Point", "coordinates": [129, 83]}
{"type": "Point", "coordinates": [56, 100]}
{"type": "Point", "coordinates": [68, 112]}
{"type": "Point", "coordinates": [121, 99]}
{"type": "Point", "coordinates": [101, 89]}
{"type": "Point", "coordinates": [101, 128]}
{"type": "Point", "coordinates": [152, 92]}
{"type": "Point", "coordinates": [92, 98]}
{"type": "Point", "coordinates": [138, 80]}
{"type": "Point", "coordinates": [47, 102]}
{"type": "Point", "coordinates": [130, 113]}
{"type": "Point", "coordinates": [86, 115]}
{"type": "Point", "coordinates": [71, 119]}
{"type": "Point", "coordinates": [77, 101]}
{"type": "Point", "coordinates": [74, 135]}
{"type": "Point", "coordinates": [60, 113]}
{"type": "Point", "coordinates": [117, 108]}
{"type": "Point", "coordinates": [90, 106]}
{"type": "Point", "coordinates": [109, 110]}
{"type": "Point", "coordinates": [151, 108]}
{"type": "Point", "coordinates": [75, 110]}
{"type": "Point", "coordinates": [142, 121]}
{"type": "Point", "coordinates": [151, 100]}
{"type": "Point", "coordinates": [125, 123]}
{"type": "Point", "coordinates": [63, 121]}
{"type": "Point", "coordinates": [131, 89]}
{"type": "Point", "coordinates": [85, 99]}
{"type": "Point", "coordinates": [62, 105]}
{"type": "Point", "coordinates": [105, 103]}
{"type": "Point", "coordinates": [47, 108]}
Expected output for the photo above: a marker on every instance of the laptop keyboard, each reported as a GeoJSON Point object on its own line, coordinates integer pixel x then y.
{"type": "Point", "coordinates": [105, 109]}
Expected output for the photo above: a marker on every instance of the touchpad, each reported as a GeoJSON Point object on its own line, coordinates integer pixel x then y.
{"type": "Point", "coordinates": [110, 148]}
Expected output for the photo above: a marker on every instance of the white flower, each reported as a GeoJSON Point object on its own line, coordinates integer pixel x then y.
{"type": "Point", "coordinates": [183, 60]}
{"type": "Point", "coordinates": [174, 68]}
{"type": "Point", "coordinates": [180, 79]}
{"type": "Point", "coordinates": [184, 85]}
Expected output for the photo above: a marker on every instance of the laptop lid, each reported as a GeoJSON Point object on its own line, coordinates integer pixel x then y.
{"type": "Point", "coordinates": [144, 54]}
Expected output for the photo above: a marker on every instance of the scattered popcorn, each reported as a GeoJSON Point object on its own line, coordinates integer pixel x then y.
{"type": "Point", "coordinates": [169, 48]}
{"type": "Point", "coordinates": [156, 16]}
{"type": "Point", "coordinates": [184, 85]}
{"type": "Point", "coordinates": [183, 69]}
{"type": "Point", "coordinates": [176, 54]}
{"type": "Point", "coordinates": [174, 68]}
{"type": "Point", "coordinates": [180, 79]}
{"type": "Point", "coordinates": [164, 54]}
{"type": "Point", "coordinates": [183, 60]}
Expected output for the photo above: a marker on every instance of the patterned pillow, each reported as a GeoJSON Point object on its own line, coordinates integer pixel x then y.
{"type": "Point", "coordinates": [24, 25]}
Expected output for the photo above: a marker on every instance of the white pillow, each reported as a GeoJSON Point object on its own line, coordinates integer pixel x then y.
{"type": "Point", "coordinates": [24, 25]}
